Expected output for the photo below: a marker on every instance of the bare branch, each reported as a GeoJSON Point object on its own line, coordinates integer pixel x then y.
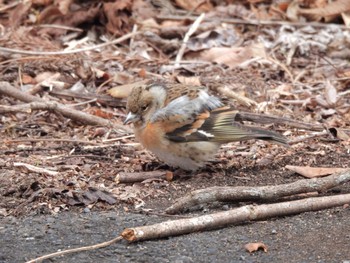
{"type": "Point", "coordinates": [262, 193]}
{"type": "Point", "coordinates": [8, 90]}
{"type": "Point", "coordinates": [123, 177]}
{"type": "Point", "coordinates": [234, 216]}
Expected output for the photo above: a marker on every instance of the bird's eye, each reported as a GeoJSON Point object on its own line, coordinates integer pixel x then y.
{"type": "Point", "coordinates": [144, 108]}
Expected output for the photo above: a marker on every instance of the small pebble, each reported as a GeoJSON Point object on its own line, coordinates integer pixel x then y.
{"type": "Point", "coordinates": [86, 210]}
{"type": "Point", "coordinates": [225, 207]}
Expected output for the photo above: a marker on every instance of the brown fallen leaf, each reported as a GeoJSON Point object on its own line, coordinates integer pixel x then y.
{"type": "Point", "coordinates": [198, 5]}
{"type": "Point", "coordinates": [332, 9]}
{"type": "Point", "coordinates": [117, 14]}
{"type": "Point", "coordinates": [252, 247]}
{"type": "Point", "coordinates": [192, 81]}
{"type": "Point", "coordinates": [339, 133]}
{"type": "Point", "coordinates": [312, 172]}
{"type": "Point", "coordinates": [100, 113]}
{"type": "Point", "coordinates": [90, 196]}
{"type": "Point", "coordinates": [19, 13]}
{"type": "Point", "coordinates": [123, 91]}
{"type": "Point", "coordinates": [330, 95]}
{"type": "Point", "coordinates": [232, 56]}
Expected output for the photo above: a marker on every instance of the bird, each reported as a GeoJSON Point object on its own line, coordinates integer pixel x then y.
{"type": "Point", "coordinates": [184, 126]}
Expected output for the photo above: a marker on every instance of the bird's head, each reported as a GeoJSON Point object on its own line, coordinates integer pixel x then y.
{"type": "Point", "coordinates": [143, 102]}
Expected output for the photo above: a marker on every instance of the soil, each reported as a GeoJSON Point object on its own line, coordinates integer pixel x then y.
{"type": "Point", "coordinates": [75, 200]}
{"type": "Point", "coordinates": [321, 236]}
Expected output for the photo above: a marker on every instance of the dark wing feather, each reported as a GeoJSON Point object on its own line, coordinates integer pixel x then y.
{"type": "Point", "coordinates": [219, 126]}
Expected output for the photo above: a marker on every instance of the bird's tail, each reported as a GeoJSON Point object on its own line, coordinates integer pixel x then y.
{"type": "Point", "coordinates": [225, 129]}
{"type": "Point", "coordinates": [262, 134]}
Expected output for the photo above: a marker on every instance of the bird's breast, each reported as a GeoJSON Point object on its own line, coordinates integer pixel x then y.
{"type": "Point", "coordinates": [151, 136]}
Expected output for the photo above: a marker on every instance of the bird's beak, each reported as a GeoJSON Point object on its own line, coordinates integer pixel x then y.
{"type": "Point", "coordinates": [130, 118]}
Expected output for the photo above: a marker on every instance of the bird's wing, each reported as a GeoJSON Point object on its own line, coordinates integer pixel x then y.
{"type": "Point", "coordinates": [219, 125]}
{"type": "Point", "coordinates": [175, 91]}
{"type": "Point", "coordinates": [183, 111]}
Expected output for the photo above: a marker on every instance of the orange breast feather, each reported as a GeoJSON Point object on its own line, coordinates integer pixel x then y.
{"type": "Point", "coordinates": [151, 136]}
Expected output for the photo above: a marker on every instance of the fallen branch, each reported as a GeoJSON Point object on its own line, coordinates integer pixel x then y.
{"type": "Point", "coordinates": [8, 90]}
{"type": "Point", "coordinates": [36, 169]}
{"type": "Point", "coordinates": [234, 216]}
{"type": "Point", "coordinates": [262, 193]}
{"type": "Point", "coordinates": [30, 140]}
{"type": "Point", "coordinates": [124, 177]}
{"type": "Point", "coordinates": [25, 108]}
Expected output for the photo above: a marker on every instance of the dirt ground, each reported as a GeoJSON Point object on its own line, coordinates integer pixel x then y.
{"type": "Point", "coordinates": [321, 236]}
{"type": "Point", "coordinates": [59, 184]}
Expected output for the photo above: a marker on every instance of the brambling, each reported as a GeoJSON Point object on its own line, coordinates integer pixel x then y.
{"type": "Point", "coordinates": [185, 126]}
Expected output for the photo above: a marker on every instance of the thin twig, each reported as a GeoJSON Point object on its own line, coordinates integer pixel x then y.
{"type": "Point", "coordinates": [61, 27]}
{"type": "Point", "coordinates": [65, 52]}
{"type": "Point", "coordinates": [50, 140]}
{"type": "Point", "coordinates": [75, 250]}
{"type": "Point", "coordinates": [308, 137]}
{"type": "Point", "coordinates": [189, 33]}
{"type": "Point", "coordinates": [36, 169]}
{"type": "Point", "coordinates": [253, 22]}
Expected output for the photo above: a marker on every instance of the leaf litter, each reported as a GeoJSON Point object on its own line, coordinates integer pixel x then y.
{"type": "Point", "coordinates": [293, 70]}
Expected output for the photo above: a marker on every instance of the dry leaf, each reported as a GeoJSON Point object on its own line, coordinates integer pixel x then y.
{"type": "Point", "coordinates": [19, 13]}
{"type": "Point", "coordinates": [100, 113]}
{"type": "Point", "coordinates": [332, 9]}
{"type": "Point", "coordinates": [118, 16]}
{"type": "Point", "coordinates": [219, 37]}
{"type": "Point", "coordinates": [27, 79]}
{"type": "Point", "coordinates": [195, 5]}
{"type": "Point", "coordinates": [47, 77]}
{"type": "Point", "coordinates": [64, 5]}
{"type": "Point", "coordinates": [143, 10]}
{"type": "Point", "coordinates": [123, 91]}
{"type": "Point", "coordinates": [346, 18]}
{"type": "Point", "coordinates": [331, 94]}
{"type": "Point", "coordinates": [339, 133]}
{"type": "Point", "coordinates": [90, 196]}
{"type": "Point", "coordinates": [122, 78]}
{"type": "Point", "coordinates": [192, 81]}
{"type": "Point", "coordinates": [311, 172]}
{"type": "Point", "coordinates": [232, 56]}
{"type": "Point", "coordinates": [252, 247]}
{"type": "Point", "coordinates": [292, 11]}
